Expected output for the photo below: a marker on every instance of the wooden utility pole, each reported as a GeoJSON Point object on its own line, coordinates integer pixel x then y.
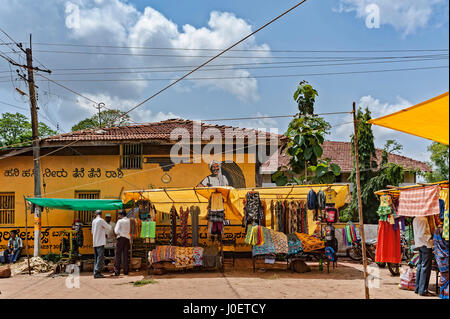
{"type": "Point", "coordinates": [26, 235]}
{"type": "Point", "coordinates": [36, 152]}
{"type": "Point", "coordinates": [361, 220]}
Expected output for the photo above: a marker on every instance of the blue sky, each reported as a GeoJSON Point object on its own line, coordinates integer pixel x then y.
{"type": "Point", "coordinates": [319, 25]}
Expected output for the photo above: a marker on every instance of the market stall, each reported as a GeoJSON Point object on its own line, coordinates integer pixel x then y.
{"type": "Point", "coordinates": [398, 207]}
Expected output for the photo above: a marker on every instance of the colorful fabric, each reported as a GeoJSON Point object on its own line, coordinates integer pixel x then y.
{"type": "Point", "coordinates": [198, 256]}
{"type": "Point", "coordinates": [388, 244]}
{"type": "Point", "coordinates": [349, 234]}
{"type": "Point", "coordinates": [173, 226]}
{"type": "Point", "coordinates": [184, 257]}
{"type": "Point", "coordinates": [445, 226]}
{"type": "Point", "coordinates": [184, 214]}
{"type": "Point", "coordinates": [145, 230]}
{"type": "Point", "coordinates": [152, 229]}
{"type": "Point", "coordinates": [310, 243]}
{"type": "Point", "coordinates": [267, 248]}
{"type": "Point", "coordinates": [415, 259]}
{"type": "Point", "coordinates": [162, 253]}
{"type": "Point", "coordinates": [216, 202]}
{"type": "Point", "coordinates": [294, 245]}
{"type": "Point", "coordinates": [279, 241]}
{"type": "Point", "coordinates": [253, 209]}
{"type": "Point", "coordinates": [423, 201]}
{"type": "Point", "coordinates": [293, 218]}
{"type": "Point", "coordinates": [441, 255]}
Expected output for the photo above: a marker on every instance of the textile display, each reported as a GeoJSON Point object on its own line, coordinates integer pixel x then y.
{"type": "Point", "coordinates": [272, 208]}
{"type": "Point", "coordinates": [198, 256]}
{"type": "Point", "coordinates": [294, 244]}
{"type": "Point", "coordinates": [161, 253]}
{"type": "Point", "coordinates": [145, 230]}
{"type": "Point", "coordinates": [195, 212]}
{"type": "Point", "coordinates": [253, 209]}
{"type": "Point", "coordinates": [388, 244]}
{"type": "Point", "coordinates": [321, 200]}
{"type": "Point", "coordinates": [310, 243]}
{"type": "Point", "coordinates": [441, 255]}
{"type": "Point", "coordinates": [184, 215]}
{"type": "Point", "coordinates": [349, 234]}
{"type": "Point", "coordinates": [279, 241]}
{"type": "Point", "coordinates": [267, 247]}
{"type": "Point", "coordinates": [384, 210]}
{"type": "Point", "coordinates": [184, 257]}
{"type": "Point", "coordinates": [445, 226]}
{"type": "Point", "coordinates": [408, 279]}
{"type": "Point", "coordinates": [173, 226]}
{"type": "Point", "coordinates": [152, 229]}
{"type": "Point", "coordinates": [216, 211]}
{"type": "Point", "coordinates": [423, 201]}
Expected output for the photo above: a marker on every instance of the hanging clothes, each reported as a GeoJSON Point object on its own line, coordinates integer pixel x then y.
{"type": "Point", "coordinates": [264, 212]}
{"type": "Point", "coordinates": [145, 230]}
{"type": "Point", "coordinates": [152, 229]}
{"type": "Point", "coordinates": [293, 217]}
{"type": "Point", "coordinates": [272, 210]}
{"type": "Point", "coordinates": [195, 212]}
{"type": "Point", "coordinates": [216, 213]}
{"type": "Point", "coordinates": [441, 254]}
{"type": "Point", "coordinates": [388, 244]}
{"type": "Point", "coordinates": [173, 224]}
{"type": "Point", "coordinates": [184, 215]}
{"type": "Point", "coordinates": [253, 209]}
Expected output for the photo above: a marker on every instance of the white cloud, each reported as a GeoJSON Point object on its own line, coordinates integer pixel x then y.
{"type": "Point", "coordinates": [406, 16]}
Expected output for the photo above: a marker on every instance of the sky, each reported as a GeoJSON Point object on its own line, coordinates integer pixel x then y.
{"type": "Point", "coordinates": [137, 36]}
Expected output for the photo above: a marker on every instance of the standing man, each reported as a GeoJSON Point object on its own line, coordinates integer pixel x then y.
{"type": "Point", "coordinates": [216, 178]}
{"type": "Point", "coordinates": [122, 231]}
{"type": "Point", "coordinates": [110, 237]}
{"type": "Point", "coordinates": [424, 243]}
{"type": "Point", "coordinates": [15, 246]}
{"type": "Point", "coordinates": [99, 229]}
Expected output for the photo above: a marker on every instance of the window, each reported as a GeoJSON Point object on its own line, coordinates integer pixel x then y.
{"type": "Point", "coordinates": [131, 156]}
{"type": "Point", "coordinates": [86, 216]}
{"type": "Point", "coordinates": [7, 206]}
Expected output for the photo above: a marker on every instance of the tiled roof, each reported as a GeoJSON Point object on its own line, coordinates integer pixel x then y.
{"type": "Point", "coordinates": [340, 153]}
{"type": "Point", "coordinates": [150, 131]}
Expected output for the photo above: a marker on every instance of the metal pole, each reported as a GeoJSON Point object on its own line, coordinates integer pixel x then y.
{"type": "Point", "coordinates": [36, 152]}
{"type": "Point", "coordinates": [26, 235]}
{"type": "Point", "coordinates": [361, 220]}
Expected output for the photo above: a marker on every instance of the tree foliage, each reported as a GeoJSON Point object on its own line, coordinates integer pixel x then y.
{"type": "Point", "coordinates": [439, 163]}
{"type": "Point", "coordinates": [16, 129]}
{"type": "Point", "coordinates": [107, 118]}
{"type": "Point", "coordinates": [306, 133]}
{"type": "Point", "coordinates": [373, 177]}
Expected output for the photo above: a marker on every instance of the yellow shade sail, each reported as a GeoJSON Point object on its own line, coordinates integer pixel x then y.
{"type": "Point", "coordinates": [429, 119]}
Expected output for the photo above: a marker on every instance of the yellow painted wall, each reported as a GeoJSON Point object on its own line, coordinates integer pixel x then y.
{"type": "Point", "coordinates": [60, 182]}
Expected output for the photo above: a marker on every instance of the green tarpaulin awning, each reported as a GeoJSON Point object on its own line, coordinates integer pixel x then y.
{"type": "Point", "coordinates": [77, 204]}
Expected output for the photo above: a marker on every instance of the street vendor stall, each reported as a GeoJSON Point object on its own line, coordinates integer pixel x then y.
{"type": "Point", "coordinates": [397, 205]}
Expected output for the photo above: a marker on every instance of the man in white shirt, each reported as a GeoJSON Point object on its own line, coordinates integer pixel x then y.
{"type": "Point", "coordinates": [110, 237]}
{"type": "Point", "coordinates": [99, 229]}
{"type": "Point", "coordinates": [424, 243]}
{"type": "Point", "coordinates": [122, 231]}
{"type": "Point", "coordinates": [216, 178]}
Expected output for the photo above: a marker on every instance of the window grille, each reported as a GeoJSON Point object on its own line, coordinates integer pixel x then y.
{"type": "Point", "coordinates": [86, 216]}
{"type": "Point", "coordinates": [7, 208]}
{"type": "Point", "coordinates": [131, 156]}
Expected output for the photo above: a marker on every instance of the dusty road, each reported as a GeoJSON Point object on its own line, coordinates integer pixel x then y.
{"type": "Point", "coordinates": [343, 282]}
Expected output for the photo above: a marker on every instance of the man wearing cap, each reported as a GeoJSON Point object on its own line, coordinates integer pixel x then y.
{"type": "Point", "coordinates": [99, 229]}
{"type": "Point", "coordinates": [110, 237]}
{"type": "Point", "coordinates": [122, 231]}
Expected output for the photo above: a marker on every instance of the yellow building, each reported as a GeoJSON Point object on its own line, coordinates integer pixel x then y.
{"type": "Point", "coordinates": [105, 163]}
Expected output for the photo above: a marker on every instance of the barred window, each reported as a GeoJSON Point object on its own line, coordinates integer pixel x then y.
{"type": "Point", "coordinates": [7, 208]}
{"type": "Point", "coordinates": [131, 156]}
{"type": "Point", "coordinates": [86, 216]}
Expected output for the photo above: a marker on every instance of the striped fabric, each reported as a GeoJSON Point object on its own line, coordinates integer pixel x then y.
{"type": "Point", "coordinates": [422, 201]}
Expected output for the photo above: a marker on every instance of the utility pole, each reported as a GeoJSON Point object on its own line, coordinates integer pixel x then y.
{"type": "Point", "coordinates": [36, 151]}
{"type": "Point", "coordinates": [361, 220]}
{"type": "Point", "coordinates": [35, 134]}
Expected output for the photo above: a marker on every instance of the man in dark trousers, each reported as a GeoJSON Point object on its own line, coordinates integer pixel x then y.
{"type": "Point", "coordinates": [122, 231]}
{"type": "Point", "coordinates": [424, 243]}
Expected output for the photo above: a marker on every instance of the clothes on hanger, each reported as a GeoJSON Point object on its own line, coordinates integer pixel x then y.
{"type": "Point", "coordinates": [173, 224]}
{"type": "Point", "coordinates": [253, 209]}
{"type": "Point", "coordinates": [184, 215]}
{"type": "Point", "coordinates": [195, 212]}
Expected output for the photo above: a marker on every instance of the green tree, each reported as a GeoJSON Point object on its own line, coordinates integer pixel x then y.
{"type": "Point", "coordinates": [306, 133]}
{"type": "Point", "coordinates": [108, 118]}
{"type": "Point", "coordinates": [439, 163]}
{"type": "Point", "coordinates": [373, 177]}
{"type": "Point", "coordinates": [15, 128]}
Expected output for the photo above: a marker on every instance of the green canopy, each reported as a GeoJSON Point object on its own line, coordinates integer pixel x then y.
{"type": "Point", "coordinates": [77, 204]}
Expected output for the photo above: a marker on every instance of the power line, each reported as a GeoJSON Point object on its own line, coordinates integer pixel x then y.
{"type": "Point", "coordinates": [252, 68]}
{"type": "Point", "coordinates": [250, 63]}
{"type": "Point", "coordinates": [246, 77]}
{"type": "Point", "coordinates": [237, 50]}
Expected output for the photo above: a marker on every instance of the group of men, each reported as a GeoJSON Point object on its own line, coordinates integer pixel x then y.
{"type": "Point", "coordinates": [107, 235]}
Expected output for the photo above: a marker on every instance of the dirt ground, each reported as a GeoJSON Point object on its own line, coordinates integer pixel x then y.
{"type": "Point", "coordinates": [343, 282]}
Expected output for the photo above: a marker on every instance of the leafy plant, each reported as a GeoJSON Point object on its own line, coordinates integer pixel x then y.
{"type": "Point", "coordinates": [306, 133]}
{"type": "Point", "coordinates": [108, 118]}
{"type": "Point", "coordinates": [439, 162]}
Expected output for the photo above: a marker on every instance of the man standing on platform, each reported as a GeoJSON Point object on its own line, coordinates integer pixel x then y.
{"type": "Point", "coordinates": [122, 231]}
{"type": "Point", "coordinates": [99, 229]}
